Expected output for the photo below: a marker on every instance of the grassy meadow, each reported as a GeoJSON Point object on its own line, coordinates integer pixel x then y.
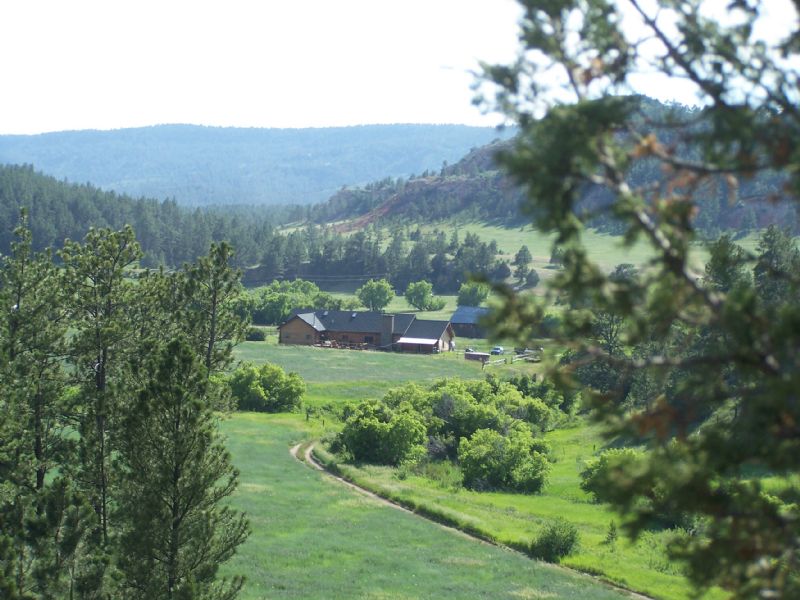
{"type": "Point", "coordinates": [314, 538]}
{"type": "Point", "coordinates": [516, 519]}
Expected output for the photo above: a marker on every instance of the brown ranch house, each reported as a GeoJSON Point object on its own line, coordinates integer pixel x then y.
{"type": "Point", "coordinates": [368, 330]}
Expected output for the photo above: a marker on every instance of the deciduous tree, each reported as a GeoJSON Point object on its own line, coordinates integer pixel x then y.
{"type": "Point", "coordinates": [472, 293]}
{"type": "Point", "coordinates": [375, 295]}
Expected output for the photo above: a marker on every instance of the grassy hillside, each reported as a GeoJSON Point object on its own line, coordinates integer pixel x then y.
{"type": "Point", "coordinates": [314, 538]}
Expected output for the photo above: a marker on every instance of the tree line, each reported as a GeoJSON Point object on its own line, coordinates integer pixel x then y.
{"type": "Point", "coordinates": [112, 468]}
{"type": "Point", "coordinates": [400, 256]}
{"type": "Point", "coordinates": [170, 235]}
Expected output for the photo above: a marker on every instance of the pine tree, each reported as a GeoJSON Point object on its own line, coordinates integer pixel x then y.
{"type": "Point", "coordinates": [522, 261]}
{"type": "Point", "coordinates": [210, 290]}
{"type": "Point", "coordinates": [727, 353]}
{"type": "Point", "coordinates": [101, 298]}
{"type": "Point", "coordinates": [175, 473]}
{"type": "Point", "coordinates": [39, 531]}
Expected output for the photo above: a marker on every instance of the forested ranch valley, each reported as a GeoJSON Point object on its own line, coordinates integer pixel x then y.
{"type": "Point", "coordinates": [558, 360]}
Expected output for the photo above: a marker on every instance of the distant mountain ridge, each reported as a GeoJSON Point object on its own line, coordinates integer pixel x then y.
{"type": "Point", "coordinates": [199, 165]}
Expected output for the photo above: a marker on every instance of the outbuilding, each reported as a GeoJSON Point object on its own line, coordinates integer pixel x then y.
{"type": "Point", "coordinates": [466, 321]}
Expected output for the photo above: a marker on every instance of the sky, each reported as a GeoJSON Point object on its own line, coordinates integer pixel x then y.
{"type": "Point", "coordinates": [108, 64]}
{"type": "Point", "coordinates": [86, 64]}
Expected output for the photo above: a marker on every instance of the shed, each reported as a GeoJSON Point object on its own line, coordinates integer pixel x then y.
{"type": "Point", "coordinates": [427, 337]}
{"type": "Point", "coordinates": [466, 321]}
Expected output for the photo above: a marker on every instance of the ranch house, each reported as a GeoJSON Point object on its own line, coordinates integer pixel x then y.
{"type": "Point", "coordinates": [367, 330]}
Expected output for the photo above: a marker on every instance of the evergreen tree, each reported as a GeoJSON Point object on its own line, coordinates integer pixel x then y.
{"type": "Point", "coordinates": [725, 268]}
{"type": "Point", "coordinates": [100, 299]}
{"type": "Point", "coordinates": [43, 521]}
{"type": "Point", "coordinates": [522, 261]}
{"type": "Point", "coordinates": [175, 475]}
{"type": "Point", "coordinates": [211, 288]}
{"type": "Point", "coordinates": [778, 262]}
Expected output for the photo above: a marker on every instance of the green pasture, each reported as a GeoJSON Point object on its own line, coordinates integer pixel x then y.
{"type": "Point", "coordinates": [334, 375]}
{"type": "Point", "coordinates": [330, 365]}
{"type": "Point", "coordinates": [608, 250]}
{"type": "Point", "coordinates": [516, 519]}
{"type": "Point", "coordinates": [312, 537]}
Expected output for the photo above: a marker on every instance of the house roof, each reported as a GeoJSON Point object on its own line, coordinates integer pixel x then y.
{"type": "Point", "coordinates": [312, 320]}
{"type": "Point", "coordinates": [354, 321]}
{"type": "Point", "coordinates": [427, 329]}
{"type": "Point", "coordinates": [405, 325]}
{"type": "Point", "coordinates": [468, 315]}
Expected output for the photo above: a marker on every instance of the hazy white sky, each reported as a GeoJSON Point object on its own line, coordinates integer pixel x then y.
{"type": "Point", "coordinates": [78, 64]}
{"type": "Point", "coordinates": [104, 64]}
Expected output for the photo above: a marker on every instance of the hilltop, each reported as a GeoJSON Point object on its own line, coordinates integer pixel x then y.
{"type": "Point", "coordinates": [198, 165]}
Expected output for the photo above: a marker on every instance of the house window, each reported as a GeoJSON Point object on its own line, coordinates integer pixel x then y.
{"type": "Point", "coordinates": [287, 336]}
{"type": "Point", "coordinates": [345, 338]}
{"type": "Point", "coordinates": [308, 336]}
{"type": "Point", "coordinates": [368, 339]}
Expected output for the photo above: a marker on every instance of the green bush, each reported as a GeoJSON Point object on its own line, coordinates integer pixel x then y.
{"type": "Point", "coordinates": [597, 478]}
{"type": "Point", "coordinates": [490, 460]}
{"type": "Point", "coordinates": [473, 293]}
{"type": "Point", "coordinates": [557, 540]}
{"type": "Point", "coordinates": [377, 433]}
{"type": "Point", "coordinates": [419, 294]}
{"type": "Point", "coordinates": [255, 334]}
{"type": "Point", "coordinates": [266, 389]}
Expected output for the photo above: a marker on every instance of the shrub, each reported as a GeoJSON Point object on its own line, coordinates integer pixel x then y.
{"type": "Point", "coordinates": [597, 476]}
{"type": "Point", "coordinates": [266, 389]}
{"type": "Point", "coordinates": [376, 433]}
{"type": "Point", "coordinates": [419, 294]}
{"type": "Point", "coordinates": [443, 472]}
{"type": "Point", "coordinates": [255, 334]}
{"type": "Point", "coordinates": [490, 460]}
{"type": "Point", "coordinates": [557, 540]}
{"type": "Point", "coordinates": [532, 279]}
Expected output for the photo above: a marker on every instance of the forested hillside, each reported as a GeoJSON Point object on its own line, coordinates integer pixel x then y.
{"type": "Point", "coordinates": [169, 234]}
{"type": "Point", "coordinates": [475, 188]}
{"type": "Point", "coordinates": [212, 165]}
